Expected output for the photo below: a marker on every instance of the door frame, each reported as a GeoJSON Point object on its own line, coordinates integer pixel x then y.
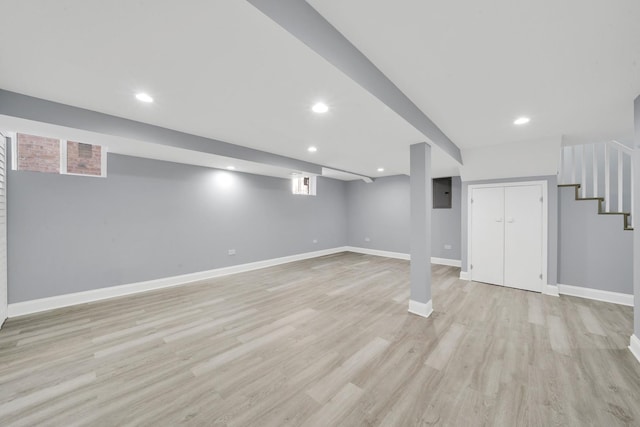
{"type": "Point", "coordinates": [545, 221]}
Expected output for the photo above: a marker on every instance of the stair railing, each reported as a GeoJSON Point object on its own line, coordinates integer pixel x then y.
{"type": "Point", "coordinates": [595, 167]}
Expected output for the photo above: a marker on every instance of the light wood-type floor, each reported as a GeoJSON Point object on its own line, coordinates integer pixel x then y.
{"type": "Point", "coordinates": [322, 342]}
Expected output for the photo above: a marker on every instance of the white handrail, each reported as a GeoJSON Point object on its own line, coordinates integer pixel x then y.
{"type": "Point", "coordinates": [621, 146]}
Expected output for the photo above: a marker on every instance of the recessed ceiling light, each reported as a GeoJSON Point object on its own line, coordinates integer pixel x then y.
{"type": "Point", "coordinates": [521, 121]}
{"type": "Point", "coordinates": [312, 149]}
{"type": "Point", "coordinates": [231, 168]}
{"type": "Point", "coordinates": [144, 97]}
{"type": "Point", "coordinates": [320, 107]}
{"type": "Point", "coordinates": [380, 169]}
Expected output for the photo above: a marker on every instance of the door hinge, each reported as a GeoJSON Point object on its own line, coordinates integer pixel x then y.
{"type": "Point", "coordinates": [540, 276]}
{"type": "Point", "coordinates": [471, 266]}
{"type": "Point", "coordinates": [471, 201]}
{"type": "Point", "coordinates": [541, 199]}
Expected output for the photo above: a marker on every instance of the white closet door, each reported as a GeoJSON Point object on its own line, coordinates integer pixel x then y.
{"type": "Point", "coordinates": [487, 235]}
{"type": "Point", "coordinates": [523, 237]}
{"type": "Point", "coordinates": [3, 229]}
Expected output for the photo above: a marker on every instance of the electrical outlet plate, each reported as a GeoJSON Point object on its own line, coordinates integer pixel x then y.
{"type": "Point", "coordinates": [231, 252]}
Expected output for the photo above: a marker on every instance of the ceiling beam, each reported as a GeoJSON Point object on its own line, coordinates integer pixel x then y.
{"type": "Point", "coordinates": [307, 25]}
{"type": "Point", "coordinates": [40, 110]}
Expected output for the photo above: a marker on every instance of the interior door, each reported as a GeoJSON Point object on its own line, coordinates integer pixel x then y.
{"type": "Point", "coordinates": [3, 229]}
{"type": "Point", "coordinates": [487, 235]}
{"type": "Point", "coordinates": [523, 237]}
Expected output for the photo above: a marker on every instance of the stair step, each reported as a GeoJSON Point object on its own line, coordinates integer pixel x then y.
{"type": "Point", "coordinates": [600, 201]}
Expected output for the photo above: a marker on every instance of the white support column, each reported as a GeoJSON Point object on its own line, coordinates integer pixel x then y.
{"type": "Point", "coordinates": [634, 344]}
{"type": "Point", "coordinates": [633, 189]}
{"type": "Point", "coordinates": [421, 196]}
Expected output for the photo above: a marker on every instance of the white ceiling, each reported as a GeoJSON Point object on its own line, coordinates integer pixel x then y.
{"type": "Point", "coordinates": [573, 66]}
{"type": "Point", "coordinates": [223, 70]}
{"type": "Point", "coordinates": [219, 69]}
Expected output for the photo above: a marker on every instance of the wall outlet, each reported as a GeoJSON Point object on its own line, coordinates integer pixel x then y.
{"type": "Point", "coordinates": [231, 251]}
{"type": "Point", "coordinates": [315, 240]}
{"type": "Point", "coordinates": [366, 239]}
{"type": "Point", "coordinates": [447, 246]}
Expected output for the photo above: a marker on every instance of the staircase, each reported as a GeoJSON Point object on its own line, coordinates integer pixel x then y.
{"type": "Point", "coordinates": [602, 172]}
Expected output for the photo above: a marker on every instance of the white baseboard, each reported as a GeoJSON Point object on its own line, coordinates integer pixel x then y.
{"type": "Point", "coordinates": [421, 308]}
{"type": "Point", "coordinates": [376, 252]}
{"type": "Point", "coordinates": [551, 290]}
{"type": "Point", "coordinates": [464, 275]}
{"type": "Point", "coordinates": [446, 261]}
{"type": "Point", "coordinates": [59, 301]}
{"type": "Point", "coordinates": [596, 294]}
{"type": "Point", "coordinates": [634, 346]}
{"type": "Point", "coordinates": [402, 255]}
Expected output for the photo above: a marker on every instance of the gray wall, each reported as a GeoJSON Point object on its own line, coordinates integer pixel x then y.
{"type": "Point", "coordinates": [380, 211]}
{"type": "Point", "coordinates": [151, 219]}
{"type": "Point", "coordinates": [594, 251]}
{"type": "Point", "coordinates": [552, 225]}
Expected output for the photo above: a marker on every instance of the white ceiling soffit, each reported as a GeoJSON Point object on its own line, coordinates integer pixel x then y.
{"type": "Point", "coordinates": [22, 106]}
{"type": "Point", "coordinates": [142, 149]}
{"type": "Point", "coordinates": [572, 66]}
{"type": "Point", "coordinates": [342, 175]}
{"type": "Point", "coordinates": [219, 69]}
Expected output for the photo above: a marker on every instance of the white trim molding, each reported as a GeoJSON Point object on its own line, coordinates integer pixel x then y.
{"type": "Point", "coordinates": [402, 255]}
{"type": "Point", "coordinates": [376, 252]}
{"type": "Point", "coordinates": [59, 301]}
{"type": "Point", "coordinates": [551, 290]}
{"type": "Point", "coordinates": [446, 261]}
{"type": "Point", "coordinates": [421, 308]}
{"type": "Point", "coordinates": [596, 294]}
{"type": "Point", "coordinates": [634, 346]}
{"type": "Point", "coordinates": [464, 275]}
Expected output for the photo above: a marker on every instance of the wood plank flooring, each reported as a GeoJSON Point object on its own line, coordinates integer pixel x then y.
{"type": "Point", "coordinates": [322, 342]}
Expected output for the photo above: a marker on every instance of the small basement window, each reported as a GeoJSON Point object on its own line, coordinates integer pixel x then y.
{"type": "Point", "coordinates": [42, 154]}
{"type": "Point", "coordinates": [37, 153]}
{"type": "Point", "coordinates": [442, 193]}
{"type": "Point", "coordinates": [84, 159]}
{"type": "Point", "coordinates": [305, 185]}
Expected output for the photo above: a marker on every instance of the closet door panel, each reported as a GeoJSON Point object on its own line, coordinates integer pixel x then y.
{"type": "Point", "coordinates": [487, 235]}
{"type": "Point", "coordinates": [523, 237]}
